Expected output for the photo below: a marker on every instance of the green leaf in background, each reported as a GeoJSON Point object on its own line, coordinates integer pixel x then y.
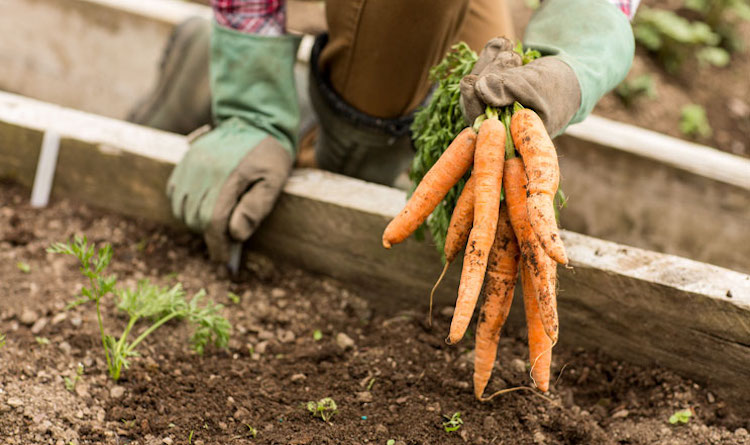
{"type": "Point", "coordinates": [715, 56]}
{"type": "Point", "coordinates": [23, 267]}
{"type": "Point", "coordinates": [693, 121]}
{"type": "Point", "coordinates": [631, 90]}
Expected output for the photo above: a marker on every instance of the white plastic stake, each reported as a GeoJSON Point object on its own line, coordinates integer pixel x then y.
{"type": "Point", "coordinates": [235, 255]}
{"type": "Point", "coordinates": [45, 169]}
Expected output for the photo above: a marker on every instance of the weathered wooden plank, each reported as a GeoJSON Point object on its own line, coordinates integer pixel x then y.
{"type": "Point", "coordinates": [620, 195]}
{"type": "Point", "coordinates": [637, 305]}
{"type": "Point", "coordinates": [699, 159]}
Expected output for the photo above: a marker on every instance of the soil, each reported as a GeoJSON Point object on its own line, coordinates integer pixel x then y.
{"type": "Point", "coordinates": [392, 376]}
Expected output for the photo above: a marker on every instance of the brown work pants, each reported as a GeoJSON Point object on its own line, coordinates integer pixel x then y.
{"type": "Point", "coordinates": [379, 52]}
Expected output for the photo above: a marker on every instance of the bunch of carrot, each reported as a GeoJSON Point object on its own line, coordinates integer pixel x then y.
{"type": "Point", "coordinates": [499, 239]}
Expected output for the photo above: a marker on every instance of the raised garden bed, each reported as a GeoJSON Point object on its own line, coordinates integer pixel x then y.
{"type": "Point", "coordinates": [614, 298]}
{"type": "Point", "coordinates": [395, 381]}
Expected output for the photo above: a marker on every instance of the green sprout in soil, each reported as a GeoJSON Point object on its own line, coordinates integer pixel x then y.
{"type": "Point", "coordinates": [2, 340]}
{"type": "Point", "coordinates": [681, 416]}
{"type": "Point", "coordinates": [23, 267]}
{"type": "Point", "coordinates": [234, 298]}
{"type": "Point", "coordinates": [190, 437]}
{"type": "Point", "coordinates": [724, 17]}
{"type": "Point", "coordinates": [693, 121]}
{"type": "Point", "coordinates": [150, 302]}
{"type": "Point", "coordinates": [70, 384]}
{"type": "Point", "coordinates": [630, 90]}
{"type": "Point", "coordinates": [673, 38]}
{"type": "Point", "coordinates": [317, 335]}
{"type": "Point", "coordinates": [42, 341]}
{"type": "Point", "coordinates": [324, 408]}
{"type": "Point", "coordinates": [452, 423]}
{"type": "Point", "coordinates": [391, 442]}
{"type": "Point", "coordinates": [252, 431]}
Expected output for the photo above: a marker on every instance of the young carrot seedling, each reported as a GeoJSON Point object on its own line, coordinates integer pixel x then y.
{"type": "Point", "coordinates": [453, 423]}
{"type": "Point", "coordinates": [156, 304]}
{"type": "Point", "coordinates": [324, 408]}
{"type": "Point", "coordinates": [2, 339]}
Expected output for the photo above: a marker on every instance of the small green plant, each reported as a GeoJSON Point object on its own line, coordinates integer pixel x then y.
{"type": "Point", "coordinates": [673, 38]}
{"type": "Point", "coordinates": [70, 383]}
{"type": "Point", "coordinates": [2, 340]}
{"type": "Point", "coordinates": [252, 431]}
{"type": "Point", "coordinates": [190, 437]}
{"type": "Point", "coordinates": [23, 267]}
{"type": "Point", "coordinates": [681, 416]}
{"type": "Point", "coordinates": [724, 17]}
{"type": "Point", "coordinates": [391, 442]}
{"type": "Point", "coordinates": [693, 121]}
{"type": "Point", "coordinates": [234, 298]}
{"type": "Point", "coordinates": [317, 335]}
{"type": "Point", "coordinates": [324, 408]}
{"type": "Point", "coordinates": [630, 90]}
{"type": "Point", "coordinates": [452, 423]}
{"type": "Point", "coordinates": [42, 341]}
{"type": "Point", "coordinates": [147, 301]}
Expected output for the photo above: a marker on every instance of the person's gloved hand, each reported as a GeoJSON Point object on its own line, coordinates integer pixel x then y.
{"type": "Point", "coordinates": [547, 85]}
{"type": "Point", "coordinates": [231, 176]}
{"type": "Point", "coordinates": [587, 48]}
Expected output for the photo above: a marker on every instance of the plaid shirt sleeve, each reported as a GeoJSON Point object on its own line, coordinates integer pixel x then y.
{"type": "Point", "coordinates": [264, 17]}
{"type": "Point", "coordinates": [627, 6]}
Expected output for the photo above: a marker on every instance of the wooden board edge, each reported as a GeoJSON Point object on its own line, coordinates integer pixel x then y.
{"type": "Point", "coordinates": [687, 156]}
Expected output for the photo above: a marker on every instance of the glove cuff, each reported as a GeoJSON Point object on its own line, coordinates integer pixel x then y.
{"type": "Point", "coordinates": [593, 37]}
{"type": "Point", "coordinates": [252, 78]}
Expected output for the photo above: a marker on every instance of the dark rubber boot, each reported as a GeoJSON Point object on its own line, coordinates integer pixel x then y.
{"type": "Point", "coordinates": [351, 142]}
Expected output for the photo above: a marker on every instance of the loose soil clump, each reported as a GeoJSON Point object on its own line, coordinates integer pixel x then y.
{"type": "Point", "coordinates": [391, 376]}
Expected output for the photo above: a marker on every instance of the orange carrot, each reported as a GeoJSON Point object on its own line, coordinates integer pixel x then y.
{"type": "Point", "coordinates": [502, 273]}
{"type": "Point", "coordinates": [488, 173]}
{"type": "Point", "coordinates": [540, 158]}
{"type": "Point", "coordinates": [540, 346]}
{"type": "Point", "coordinates": [458, 232]}
{"type": "Point", "coordinates": [446, 172]}
{"type": "Point", "coordinates": [542, 270]}
{"type": "Point", "coordinates": [461, 221]}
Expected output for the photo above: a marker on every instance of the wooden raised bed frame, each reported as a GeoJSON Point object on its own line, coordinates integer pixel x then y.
{"type": "Point", "coordinates": [637, 305]}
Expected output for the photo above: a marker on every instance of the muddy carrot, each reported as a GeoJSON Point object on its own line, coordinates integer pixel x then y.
{"type": "Point", "coordinates": [542, 271]}
{"type": "Point", "coordinates": [502, 273]}
{"type": "Point", "coordinates": [540, 346]}
{"type": "Point", "coordinates": [458, 232]}
{"type": "Point", "coordinates": [488, 172]}
{"type": "Point", "coordinates": [540, 159]}
{"type": "Point", "coordinates": [446, 172]}
{"type": "Point", "coordinates": [461, 221]}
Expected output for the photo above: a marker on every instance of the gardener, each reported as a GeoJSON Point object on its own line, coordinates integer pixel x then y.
{"type": "Point", "coordinates": [367, 76]}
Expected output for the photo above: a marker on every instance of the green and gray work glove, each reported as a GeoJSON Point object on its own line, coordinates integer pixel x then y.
{"type": "Point", "coordinates": [230, 177]}
{"type": "Point", "coordinates": [587, 48]}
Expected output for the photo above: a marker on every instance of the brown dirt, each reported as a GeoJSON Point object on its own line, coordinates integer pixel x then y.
{"type": "Point", "coordinates": [273, 365]}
